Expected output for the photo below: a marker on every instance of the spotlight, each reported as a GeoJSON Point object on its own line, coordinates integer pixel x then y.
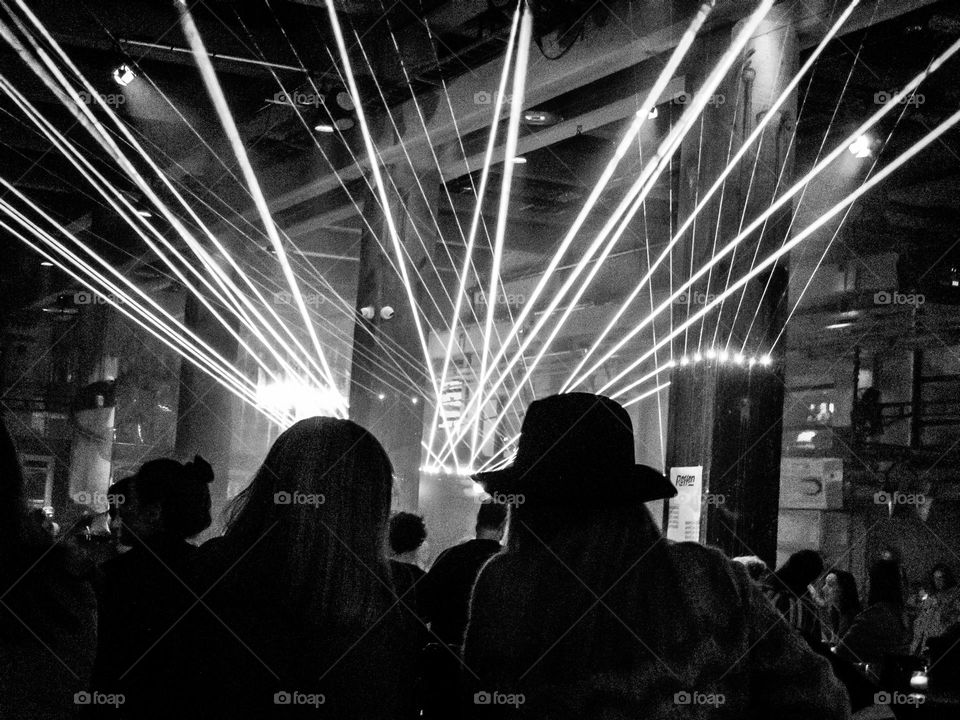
{"type": "Point", "coordinates": [765, 360]}
{"type": "Point", "coordinates": [684, 360]}
{"type": "Point", "coordinates": [415, 400]}
{"type": "Point", "coordinates": [367, 312]}
{"type": "Point", "coordinates": [711, 354]}
{"type": "Point", "coordinates": [724, 356]}
{"type": "Point", "coordinates": [386, 312]}
{"type": "Point", "coordinates": [654, 114]}
{"type": "Point", "coordinates": [145, 213]}
{"type": "Point", "coordinates": [324, 128]}
{"type": "Point", "coordinates": [738, 358]}
{"type": "Point", "coordinates": [697, 357]}
{"type": "Point", "coordinates": [753, 361]}
{"type": "Point", "coordinates": [123, 75]}
{"type": "Point", "coordinates": [381, 396]}
{"type": "Point", "coordinates": [46, 263]}
{"type": "Point", "coordinates": [539, 117]}
{"type": "Point", "coordinates": [862, 147]}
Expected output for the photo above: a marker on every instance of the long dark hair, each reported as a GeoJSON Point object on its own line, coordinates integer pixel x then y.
{"type": "Point", "coordinates": [848, 596]}
{"type": "Point", "coordinates": [885, 585]}
{"type": "Point", "coordinates": [799, 571]}
{"type": "Point", "coordinates": [617, 552]}
{"type": "Point", "coordinates": [320, 504]}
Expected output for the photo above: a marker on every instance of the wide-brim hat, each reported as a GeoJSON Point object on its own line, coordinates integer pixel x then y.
{"type": "Point", "coordinates": [577, 448]}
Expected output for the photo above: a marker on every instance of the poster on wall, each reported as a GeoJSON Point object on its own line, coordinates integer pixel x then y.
{"type": "Point", "coordinates": [683, 520]}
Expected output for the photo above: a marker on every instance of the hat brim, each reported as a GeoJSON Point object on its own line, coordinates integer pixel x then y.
{"type": "Point", "coordinates": [638, 483]}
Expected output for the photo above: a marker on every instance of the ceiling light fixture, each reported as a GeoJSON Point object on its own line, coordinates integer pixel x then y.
{"type": "Point", "coordinates": [324, 128]}
{"type": "Point", "coordinates": [519, 160]}
{"type": "Point", "coordinates": [862, 147]}
{"type": "Point", "coordinates": [123, 75]}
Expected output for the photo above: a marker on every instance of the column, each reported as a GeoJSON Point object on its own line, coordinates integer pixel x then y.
{"type": "Point", "coordinates": [387, 347]}
{"type": "Point", "coordinates": [723, 416]}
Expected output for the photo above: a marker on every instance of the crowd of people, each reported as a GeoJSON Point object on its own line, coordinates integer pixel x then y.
{"type": "Point", "coordinates": [314, 602]}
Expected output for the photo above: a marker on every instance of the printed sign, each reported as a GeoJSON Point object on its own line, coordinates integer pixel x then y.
{"type": "Point", "coordinates": [683, 520]}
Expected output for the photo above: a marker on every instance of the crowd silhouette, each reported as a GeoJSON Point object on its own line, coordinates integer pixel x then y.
{"type": "Point", "coordinates": [567, 603]}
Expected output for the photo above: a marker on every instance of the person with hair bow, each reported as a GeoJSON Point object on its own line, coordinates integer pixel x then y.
{"type": "Point", "coordinates": [145, 591]}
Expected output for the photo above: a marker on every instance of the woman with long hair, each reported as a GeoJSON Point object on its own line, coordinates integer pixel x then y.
{"type": "Point", "coordinates": [879, 630]}
{"type": "Point", "coordinates": [590, 613]}
{"type": "Point", "coordinates": [940, 608]}
{"type": "Point", "coordinates": [47, 609]}
{"type": "Point", "coordinates": [299, 613]}
{"type": "Point", "coordinates": [841, 604]}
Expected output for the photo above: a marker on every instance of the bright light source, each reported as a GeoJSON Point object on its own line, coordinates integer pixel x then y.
{"type": "Point", "coordinates": [654, 114]}
{"type": "Point", "coordinates": [324, 128]}
{"type": "Point", "coordinates": [46, 263]}
{"type": "Point", "coordinates": [123, 75]}
{"type": "Point", "coordinates": [414, 400]}
{"type": "Point", "coordinates": [752, 362]}
{"type": "Point", "coordinates": [145, 213]}
{"type": "Point", "coordinates": [381, 396]}
{"type": "Point", "coordinates": [738, 358]}
{"type": "Point", "coordinates": [684, 360]}
{"type": "Point", "coordinates": [862, 147]}
{"type": "Point", "coordinates": [765, 360]}
{"type": "Point", "coordinates": [837, 326]}
{"type": "Point", "coordinates": [298, 398]}
{"type": "Point", "coordinates": [806, 436]}
{"type": "Point", "coordinates": [698, 357]}
{"type": "Point", "coordinates": [711, 353]}
{"type": "Point", "coordinates": [519, 160]}
{"type": "Point", "coordinates": [723, 355]}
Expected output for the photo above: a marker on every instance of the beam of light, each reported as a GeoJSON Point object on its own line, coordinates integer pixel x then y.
{"type": "Point", "coordinates": [200, 250]}
{"type": "Point", "coordinates": [226, 119]}
{"type": "Point", "coordinates": [633, 200]}
{"type": "Point", "coordinates": [647, 394]}
{"type": "Point", "coordinates": [775, 207]}
{"type": "Point", "coordinates": [476, 219]}
{"type": "Point", "coordinates": [381, 189]}
{"type": "Point", "coordinates": [173, 335]}
{"type": "Point", "coordinates": [656, 372]}
{"type": "Point", "coordinates": [499, 236]}
{"type": "Point", "coordinates": [826, 250]}
{"type": "Point", "coordinates": [89, 121]}
{"type": "Point", "coordinates": [666, 75]}
{"type": "Point", "coordinates": [718, 183]}
{"type": "Point", "coordinates": [895, 165]}
{"type": "Point", "coordinates": [659, 87]}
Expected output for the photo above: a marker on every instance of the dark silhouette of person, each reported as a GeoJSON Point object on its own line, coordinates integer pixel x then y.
{"type": "Point", "coordinates": [592, 613]}
{"type": "Point", "coordinates": [47, 608]}
{"type": "Point", "coordinates": [408, 532]}
{"type": "Point", "coordinates": [144, 592]}
{"type": "Point", "coordinates": [447, 587]}
{"type": "Point", "coordinates": [879, 630]}
{"type": "Point", "coordinates": [791, 594]}
{"type": "Point", "coordinates": [299, 616]}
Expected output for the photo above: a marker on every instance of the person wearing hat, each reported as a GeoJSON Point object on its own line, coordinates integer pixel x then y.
{"type": "Point", "coordinates": [592, 613]}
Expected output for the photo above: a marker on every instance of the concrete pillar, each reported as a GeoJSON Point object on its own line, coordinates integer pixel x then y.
{"type": "Point", "coordinates": [205, 407]}
{"type": "Point", "coordinates": [727, 419]}
{"type": "Point", "coordinates": [385, 345]}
